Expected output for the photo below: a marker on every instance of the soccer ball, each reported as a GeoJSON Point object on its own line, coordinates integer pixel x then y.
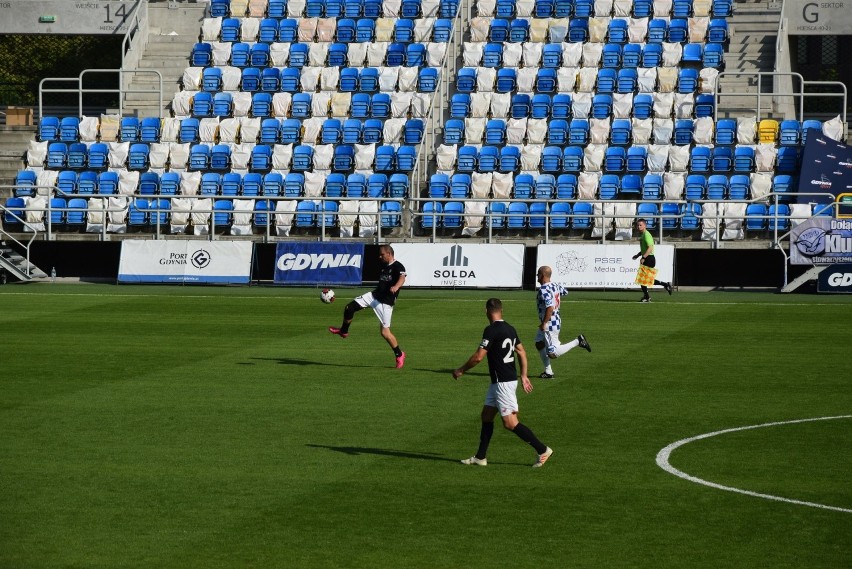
{"type": "Point", "coordinates": [327, 295]}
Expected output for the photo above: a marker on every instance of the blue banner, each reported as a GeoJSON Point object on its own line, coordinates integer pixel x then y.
{"type": "Point", "coordinates": [319, 263]}
{"type": "Point", "coordinates": [836, 278]}
{"type": "Point", "coordinates": [826, 168]}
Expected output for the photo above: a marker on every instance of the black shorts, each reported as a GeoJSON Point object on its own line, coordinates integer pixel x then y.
{"type": "Point", "coordinates": [650, 261]}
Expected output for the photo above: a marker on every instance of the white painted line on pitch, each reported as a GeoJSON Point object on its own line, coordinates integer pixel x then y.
{"type": "Point", "coordinates": [119, 294]}
{"type": "Point", "coordinates": [663, 462]}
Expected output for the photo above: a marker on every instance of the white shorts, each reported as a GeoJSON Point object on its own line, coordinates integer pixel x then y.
{"type": "Point", "coordinates": [502, 396]}
{"type": "Point", "coordinates": [550, 339]}
{"type": "Point", "coordinates": [384, 312]}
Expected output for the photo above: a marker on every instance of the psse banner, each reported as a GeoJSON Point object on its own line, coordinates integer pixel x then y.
{"type": "Point", "coordinates": [461, 266]}
{"type": "Point", "coordinates": [223, 262]}
{"type": "Point", "coordinates": [318, 263]}
{"type": "Point", "coordinates": [601, 266]}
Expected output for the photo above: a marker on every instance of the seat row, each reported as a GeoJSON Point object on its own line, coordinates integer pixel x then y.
{"type": "Point", "coordinates": [222, 157]}
{"type": "Point", "coordinates": [591, 56]}
{"type": "Point", "coordinates": [617, 8]}
{"type": "Point", "coordinates": [346, 30]}
{"type": "Point", "coordinates": [250, 184]}
{"type": "Point", "coordinates": [583, 80]}
{"type": "Point", "coordinates": [618, 159]}
{"type": "Point", "coordinates": [144, 212]}
{"type": "Point", "coordinates": [295, 80]}
{"type": "Point", "coordinates": [401, 104]}
{"type": "Point", "coordinates": [298, 55]}
{"type": "Point", "coordinates": [619, 31]}
{"type": "Point", "coordinates": [334, 8]}
{"type": "Point", "coordinates": [581, 105]}
{"type": "Point", "coordinates": [651, 186]}
{"type": "Point", "coordinates": [624, 132]}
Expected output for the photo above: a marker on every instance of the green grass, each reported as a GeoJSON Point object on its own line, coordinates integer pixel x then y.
{"type": "Point", "coordinates": [224, 427]}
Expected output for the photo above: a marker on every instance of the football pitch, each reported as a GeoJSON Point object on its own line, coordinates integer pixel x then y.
{"type": "Point", "coordinates": [225, 427]}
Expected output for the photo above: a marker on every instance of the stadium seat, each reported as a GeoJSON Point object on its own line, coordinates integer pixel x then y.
{"type": "Point", "coordinates": [696, 187]}
{"type": "Point", "coordinates": [756, 217]}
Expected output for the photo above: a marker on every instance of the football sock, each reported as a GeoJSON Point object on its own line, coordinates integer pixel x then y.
{"type": "Point", "coordinates": [645, 292]}
{"type": "Point", "coordinates": [661, 283]}
{"type": "Point", "coordinates": [396, 351]}
{"type": "Point", "coordinates": [528, 437]}
{"type": "Point", "coordinates": [344, 328]}
{"type": "Point", "coordinates": [542, 353]}
{"type": "Point", "coordinates": [484, 438]}
{"type": "Point", "coordinates": [562, 348]}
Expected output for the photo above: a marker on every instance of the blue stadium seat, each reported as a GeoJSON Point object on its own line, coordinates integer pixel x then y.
{"type": "Point", "coordinates": [288, 30]}
{"type": "Point", "coordinates": [560, 215]}
{"type": "Point", "coordinates": [756, 217]}
{"type": "Point", "coordinates": [699, 159]}
{"type": "Point", "coordinates": [744, 159]}
{"type": "Point", "coordinates": [69, 129]}
{"type": "Point", "coordinates": [149, 130]}
{"type": "Point", "coordinates": [48, 129]}
{"type": "Point", "coordinates": [652, 186]}
{"type": "Point", "coordinates": [496, 214]}
{"type": "Point", "coordinates": [252, 184]}
{"type": "Point", "coordinates": [583, 212]}
{"type": "Point", "coordinates": [335, 185]}
{"type": "Point", "coordinates": [657, 30]}
{"type": "Point", "coordinates": [717, 187]}
{"type": "Point", "coordinates": [723, 159]}
{"type": "Point", "coordinates": [223, 104]}
{"type": "Point", "coordinates": [510, 159]}
{"type": "Point", "coordinates": [609, 186]}
{"type": "Point", "coordinates": [453, 214]}
{"type": "Point", "coordinates": [523, 187]}
{"type": "Point", "coordinates": [232, 184]}
{"type": "Point", "coordinates": [696, 187]}
{"type": "Point", "coordinates": [250, 78]}
{"type": "Point", "coordinates": [739, 187]}
{"type": "Point", "coordinates": [678, 30]}
{"type": "Point", "coordinates": [199, 157]}
{"type": "Point", "coordinates": [566, 187]}
{"type": "Point", "coordinates": [273, 184]}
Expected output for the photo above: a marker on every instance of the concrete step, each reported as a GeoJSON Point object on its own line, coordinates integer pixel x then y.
{"type": "Point", "coordinates": [166, 40]}
{"type": "Point", "coordinates": [171, 65]}
{"type": "Point", "coordinates": [181, 49]}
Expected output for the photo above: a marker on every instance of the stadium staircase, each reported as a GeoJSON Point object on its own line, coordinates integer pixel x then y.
{"type": "Point", "coordinates": [13, 144]}
{"type": "Point", "coordinates": [172, 33]}
{"type": "Point", "coordinates": [17, 265]}
{"type": "Point", "coordinates": [754, 31]}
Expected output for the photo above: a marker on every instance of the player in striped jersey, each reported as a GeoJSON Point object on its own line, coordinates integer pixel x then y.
{"type": "Point", "coordinates": [548, 298]}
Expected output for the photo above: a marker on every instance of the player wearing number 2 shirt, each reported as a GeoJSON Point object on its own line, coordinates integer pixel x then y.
{"type": "Point", "coordinates": [500, 343]}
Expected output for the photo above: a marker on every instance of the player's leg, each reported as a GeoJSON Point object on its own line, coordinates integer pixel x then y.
{"type": "Point", "coordinates": [486, 430]}
{"type": "Point", "coordinates": [507, 401]}
{"type": "Point", "coordinates": [348, 314]}
{"type": "Point", "coordinates": [665, 285]}
{"type": "Point", "coordinates": [384, 312]}
{"type": "Point", "coordinates": [542, 345]}
{"type": "Point", "coordinates": [561, 349]}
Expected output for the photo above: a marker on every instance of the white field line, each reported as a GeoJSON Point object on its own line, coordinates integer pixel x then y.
{"type": "Point", "coordinates": [664, 454]}
{"type": "Point", "coordinates": [485, 293]}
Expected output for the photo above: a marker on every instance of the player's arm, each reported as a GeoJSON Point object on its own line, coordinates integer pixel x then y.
{"type": "Point", "coordinates": [548, 312]}
{"type": "Point", "coordinates": [399, 282]}
{"type": "Point", "coordinates": [472, 362]}
{"type": "Point", "coordinates": [522, 362]}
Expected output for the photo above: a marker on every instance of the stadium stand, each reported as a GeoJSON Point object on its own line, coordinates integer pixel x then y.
{"type": "Point", "coordinates": [562, 112]}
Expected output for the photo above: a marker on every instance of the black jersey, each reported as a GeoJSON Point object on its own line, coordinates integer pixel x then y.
{"type": "Point", "coordinates": [388, 275]}
{"type": "Point", "coordinates": [499, 339]}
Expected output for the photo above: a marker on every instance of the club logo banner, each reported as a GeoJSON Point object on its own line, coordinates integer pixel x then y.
{"type": "Point", "coordinates": [821, 241]}
{"type": "Point", "coordinates": [826, 169]}
{"type": "Point", "coordinates": [461, 266]}
{"type": "Point", "coordinates": [836, 278]}
{"type": "Point", "coordinates": [222, 262]}
{"type": "Point", "coordinates": [601, 266]}
{"type": "Point", "coordinates": [319, 263]}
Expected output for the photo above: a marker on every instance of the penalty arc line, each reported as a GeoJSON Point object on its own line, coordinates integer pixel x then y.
{"type": "Point", "coordinates": [664, 454]}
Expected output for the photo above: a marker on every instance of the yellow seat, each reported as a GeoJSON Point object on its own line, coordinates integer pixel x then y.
{"type": "Point", "coordinates": [767, 131]}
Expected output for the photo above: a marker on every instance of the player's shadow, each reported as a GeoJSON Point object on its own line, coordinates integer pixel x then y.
{"type": "Point", "coordinates": [300, 362]}
{"type": "Point", "coordinates": [355, 451]}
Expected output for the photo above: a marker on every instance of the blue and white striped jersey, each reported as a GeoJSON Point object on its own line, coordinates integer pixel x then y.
{"type": "Point", "coordinates": [549, 294]}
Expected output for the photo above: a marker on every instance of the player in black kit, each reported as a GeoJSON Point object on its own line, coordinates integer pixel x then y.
{"type": "Point", "coordinates": [381, 300]}
{"type": "Point", "coordinates": [501, 344]}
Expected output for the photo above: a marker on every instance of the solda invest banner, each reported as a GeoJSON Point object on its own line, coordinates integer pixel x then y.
{"type": "Point", "coordinates": [471, 265]}
{"type": "Point", "coordinates": [313, 263]}
{"type": "Point", "coordinates": [219, 262]}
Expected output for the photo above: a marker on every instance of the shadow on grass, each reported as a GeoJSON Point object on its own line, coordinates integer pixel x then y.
{"type": "Point", "coordinates": [298, 362]}
{"type": "Point", "coordinates": [355, 451]}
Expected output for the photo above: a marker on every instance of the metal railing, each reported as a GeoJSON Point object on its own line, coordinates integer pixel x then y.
{"type": "Point", "coordinates": [6, 214]}
{"type": "Point", "coordinates": [135, 41]}
{"type": "Point", "coordinates": [80, 90]}
{"type": "Point", "coordinates": [800, 94]}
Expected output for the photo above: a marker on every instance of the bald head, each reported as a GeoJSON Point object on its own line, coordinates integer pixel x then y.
{"type": "Point", "coordinates": [544, 274]}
